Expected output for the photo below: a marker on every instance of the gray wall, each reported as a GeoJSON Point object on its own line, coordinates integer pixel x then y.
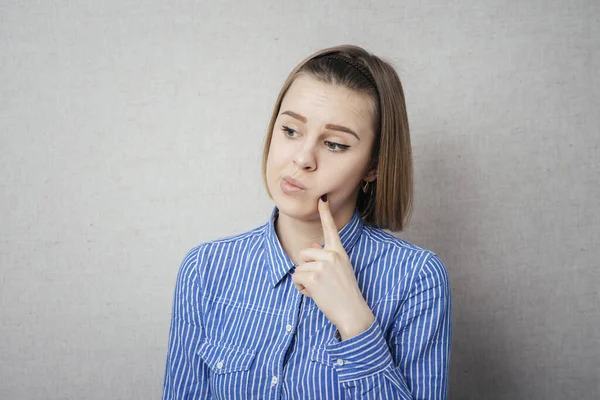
{"type": "Point", "coordinates": [131, 131]}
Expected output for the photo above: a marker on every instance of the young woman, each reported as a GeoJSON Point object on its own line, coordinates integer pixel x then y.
{"type": "Point", "coordinates": [298, 308]}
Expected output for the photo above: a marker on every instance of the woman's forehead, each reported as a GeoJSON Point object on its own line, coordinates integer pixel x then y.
{"type": "Point", "coordinates": [315, 99]}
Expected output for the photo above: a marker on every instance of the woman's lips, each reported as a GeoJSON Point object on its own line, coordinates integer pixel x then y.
{"type": "Point", "coordinates": [291, 186]}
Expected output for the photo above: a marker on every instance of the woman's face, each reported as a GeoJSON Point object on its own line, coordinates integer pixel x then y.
{"type": "Point", "coordinates": [322, 142]}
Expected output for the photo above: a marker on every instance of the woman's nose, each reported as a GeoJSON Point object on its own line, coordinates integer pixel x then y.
{"type": "Point", "coordinates": [305, 157]}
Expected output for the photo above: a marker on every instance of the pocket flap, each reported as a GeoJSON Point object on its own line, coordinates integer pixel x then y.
{"type": "Point", "coordinates": [319, 354]}
{"type": "Point", "coordinates": [224, 358]}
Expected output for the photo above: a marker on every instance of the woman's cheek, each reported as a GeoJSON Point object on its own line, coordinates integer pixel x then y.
{"type": "Point", "coordinates": [340, 187]}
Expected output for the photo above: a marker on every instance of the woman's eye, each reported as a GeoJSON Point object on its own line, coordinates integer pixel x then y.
{"type": "Point", "coordinates": [289, 132]}
{"type": "Point", "coordinates": [336, 147]}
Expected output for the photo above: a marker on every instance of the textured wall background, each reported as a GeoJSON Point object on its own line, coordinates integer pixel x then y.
{"type": "Point", "coordinates": [131, 131]}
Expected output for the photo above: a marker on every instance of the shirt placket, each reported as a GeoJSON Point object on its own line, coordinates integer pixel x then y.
{"type": "Point", "coordinates": [288, 326]}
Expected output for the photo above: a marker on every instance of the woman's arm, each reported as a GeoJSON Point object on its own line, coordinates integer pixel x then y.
{"type": "Point", "coordinates": [364, 362]}
{"type": "Point", "coordinates": [186, 376]}
{"type": "Point", "coordinates": [417, 365]}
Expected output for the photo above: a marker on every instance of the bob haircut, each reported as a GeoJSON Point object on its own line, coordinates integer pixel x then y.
{"type": "Point", "coordinates": [387, 204]}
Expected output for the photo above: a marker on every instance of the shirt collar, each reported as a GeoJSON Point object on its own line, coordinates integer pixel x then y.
{"type": "Point", "coordinates": [278, 261]}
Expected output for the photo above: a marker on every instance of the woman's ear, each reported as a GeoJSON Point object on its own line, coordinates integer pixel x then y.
{"type": "Point", "coordinates": [372, 175]}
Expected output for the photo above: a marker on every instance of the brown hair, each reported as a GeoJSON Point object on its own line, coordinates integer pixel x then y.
{"type": "Point", "coordinates": [388, 201]}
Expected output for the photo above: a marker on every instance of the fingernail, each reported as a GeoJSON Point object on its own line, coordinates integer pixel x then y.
{"type": "Point", "coordinates": [324, 197]}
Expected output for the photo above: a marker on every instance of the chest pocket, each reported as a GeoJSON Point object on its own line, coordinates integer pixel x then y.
{"type": "Point", "coordinates": [224, 359]}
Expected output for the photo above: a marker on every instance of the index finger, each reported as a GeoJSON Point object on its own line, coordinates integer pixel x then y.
{"type": "Point", "coordinates": [330, 232]}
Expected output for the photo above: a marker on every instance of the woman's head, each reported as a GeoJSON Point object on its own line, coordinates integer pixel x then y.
{"type": "Point", "coordinates": [340, 127]}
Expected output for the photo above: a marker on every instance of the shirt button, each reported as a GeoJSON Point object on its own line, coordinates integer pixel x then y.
{"type": "Point", "coordinates": [274, 381]}
{"type": "Point", "coordinates": [288, 328]}
{"type": "Point", "coordinates": [340, 362]}
{"type": "Point", "coordinates": [220, 365]}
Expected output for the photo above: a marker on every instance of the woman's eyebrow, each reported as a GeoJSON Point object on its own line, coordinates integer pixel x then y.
{"type": "Point", "coordinates": [328, 126]}
{"type": "Point", "coordinates": [342, 129]}
{"type": "Point", "coordinates": [295, 115]}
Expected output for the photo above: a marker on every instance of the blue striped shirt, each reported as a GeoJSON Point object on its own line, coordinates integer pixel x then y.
{"type": "Point", "coordinates": [241, 330]}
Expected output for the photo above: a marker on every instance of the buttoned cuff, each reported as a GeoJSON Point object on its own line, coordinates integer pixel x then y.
{"type": "Point", "coordinates": [362, 356]}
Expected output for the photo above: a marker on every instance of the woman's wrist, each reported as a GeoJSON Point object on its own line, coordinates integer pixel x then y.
{"type": "Point", "coordinates": [356, 323]}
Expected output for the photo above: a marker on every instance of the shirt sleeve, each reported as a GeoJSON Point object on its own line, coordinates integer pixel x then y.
{"type": "Point", "coordinates": [415, 364]}
{"type": "Point", "coordinates": [186, 376]}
